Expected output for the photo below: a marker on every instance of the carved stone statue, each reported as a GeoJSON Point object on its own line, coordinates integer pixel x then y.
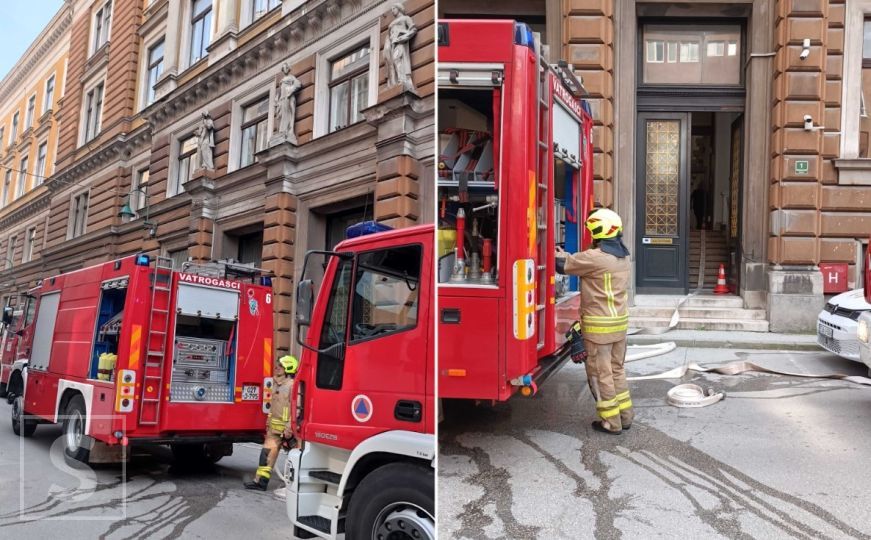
{"type": "Point", "coordinates": [397, 55]}
{"type": "Point", "coordinates": [206, 142]}
{"type": "Point", "coordinates": [285, 105]}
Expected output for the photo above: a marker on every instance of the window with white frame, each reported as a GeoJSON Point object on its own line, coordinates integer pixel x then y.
{"type": "Point", "coordinates": [865, 95]}
{"type": "Point", "coordinates": [78, 215]}
{"type": "Point", "coordinates": [102, 24]}
{"type": "Point", "coordinates": [14, 133]}
{"type": "Point", "coordinates": [716, 48]}
{"type": "Point", "coordinates": [154, 70]}
{"type": "Point", "coordinates": [93, 112]}
{"type": "Point", "coordinates": [672, 51]}
{"type": "Point", "coordinates": [187, 162]}
{"type": "Point", "coordinates": [30, 113]}
{"type": "Point", "coordinates": [48, 100]}
{"type": "Point", "coordinates": [10, 250]}
{"type": "Point", "coordinates": [41, 153]}
{"type": "Point", "coordinates": [349, 87]}
{"type": "Point", "coordinates": [260, 8]}
{"type": "Point", "coordinates": [138, 189]}
{"type": "Point", "coordinates": [201, 29]}
{"type": "Point", "coordinates": [254, 130]}
{"type": "Point", "coordinates": [655, 51]}
{"type": "Point", "coordinates": [29, 241]}
{"type": "Point", "coordinates": [22, 177]}
{"type": "Point", "coordinates": [7, 185]}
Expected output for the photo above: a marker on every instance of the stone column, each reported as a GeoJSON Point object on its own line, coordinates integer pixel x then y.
{"type": "Point", "coordinates": [201, 188]}
{"type": "Point", "coordinates": [225, 30]}
{"type": "Point", "coordinates": [172, 49]}
{"type": "Point", "coordinates": [795, 284]}
{"type": "Point", "coordinates": [396, 117]}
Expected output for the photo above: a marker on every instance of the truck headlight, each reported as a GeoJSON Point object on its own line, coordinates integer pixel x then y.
{"type": "Point", "coordinates": [863, 331]}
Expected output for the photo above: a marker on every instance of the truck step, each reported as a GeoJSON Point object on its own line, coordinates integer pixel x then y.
{"type": "Point", "coordinates": [316, 522]}
{"type": "Point", "coordinates": [326, 476]}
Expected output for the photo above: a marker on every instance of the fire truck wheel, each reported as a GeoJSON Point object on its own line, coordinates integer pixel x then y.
{"type": "Point", "coordinates": [21, 427]}
{"type": "Point", "coordinates": [77, 445]}
{"type": "Point", "coordinates": [394, 501]}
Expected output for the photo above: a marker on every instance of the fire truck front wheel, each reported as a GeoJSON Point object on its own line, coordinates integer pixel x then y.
{"type": "Point", "coordinates": [21, 426]}
{"type": "Point", "coordinates": [394, 501]}
{"type": "Point", "coordinates": [76, 443]}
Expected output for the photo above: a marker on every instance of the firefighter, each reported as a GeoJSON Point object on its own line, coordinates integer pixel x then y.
{"type": "Point", "coordinates": [278, 427]}
{"type": "Point", "coordinates": [604, 272]}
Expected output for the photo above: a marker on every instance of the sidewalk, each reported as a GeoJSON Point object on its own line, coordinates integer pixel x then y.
{"type": "Point", "coordinates": [732, 340]}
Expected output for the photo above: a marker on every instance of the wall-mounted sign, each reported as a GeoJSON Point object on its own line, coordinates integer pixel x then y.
{"type": "Point", "coordinates": [801, 166]}
{"type": "Point", "coordinates": [658, 241]}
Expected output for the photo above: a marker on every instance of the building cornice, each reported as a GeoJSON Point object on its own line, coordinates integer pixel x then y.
{"type": "Point", "coordinates": [122, 145]}
{"type": "Point", "coordinates": [41, 46]}
{"type": "Point", "coordinates": [39, 203]}
{"type": "Point", "coordinates": [291, 33]}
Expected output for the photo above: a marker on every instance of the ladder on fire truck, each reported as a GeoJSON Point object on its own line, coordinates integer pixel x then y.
{"type": "Point", "coordinates": [542, 177]}
{"type": "Point", "coordinates": [155, 343]}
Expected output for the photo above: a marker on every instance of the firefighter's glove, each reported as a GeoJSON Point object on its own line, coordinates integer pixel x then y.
{"type": "Point", "coordinates": [560, 263]}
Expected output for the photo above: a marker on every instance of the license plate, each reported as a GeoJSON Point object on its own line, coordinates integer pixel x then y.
{"type": "Point", "coordinates": [825, 331]}
{"type": "Point", "coordinates": [250, 393]}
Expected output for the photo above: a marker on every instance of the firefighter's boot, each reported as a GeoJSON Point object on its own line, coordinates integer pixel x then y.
{"type": "Point", "coordinates": [264, 471]}
{"type": "Point", "coordinates": [261, 483]}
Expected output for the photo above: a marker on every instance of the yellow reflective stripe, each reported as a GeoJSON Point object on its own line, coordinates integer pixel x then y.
{"type": "Point", "coordinates": [284, 414]}
{"type": "Point", "coordinates": [609, 291]}
{"type": "Point", "coordinates": [264, 471]}
{"type": "Point", "coordinates": [622, 395]}
{"type": "Point", "coordinates": [275, 423]}
{"type": "Point", "coordinates": [608, 413]}
{"type": "Point", "coordinates": [609, 404]}
{"type": "Point", "coordinates": [625, 405]}
{"type": "Point", "coordinates": [605, 329]}
{"type": "Point", "coordinates": [606, 318]}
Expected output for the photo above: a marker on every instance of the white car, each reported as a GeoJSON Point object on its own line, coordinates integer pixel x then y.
{"type": "Point", "coordinates": [837, 324]}
{"type": "Point", "coordinates": [864, 334]}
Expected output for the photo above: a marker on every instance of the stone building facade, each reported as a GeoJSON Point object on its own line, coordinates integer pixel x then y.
{"type": "Point", "coordinates": [30, 110]}
{"type": "Point", "coordinates": [791, 114]}
{"type": "Point", "coordinates": [363, 149]}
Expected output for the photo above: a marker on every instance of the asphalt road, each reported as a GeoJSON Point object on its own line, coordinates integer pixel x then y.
{"type": "Point", "coordinates": [42, 497]}
{"type": "Point", "coordinates": [780, 457]}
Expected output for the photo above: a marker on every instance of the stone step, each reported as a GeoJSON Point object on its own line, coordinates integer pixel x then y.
{"type": "Point", "coordinates": [700, 300]}
{"type": "Point", "coordinates": [744, 325]}
{"type": "Point", "coordinates": [698, 312]}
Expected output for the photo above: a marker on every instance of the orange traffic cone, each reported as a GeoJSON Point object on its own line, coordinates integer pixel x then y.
{"type": "Point", "coordinates": [721, 287]}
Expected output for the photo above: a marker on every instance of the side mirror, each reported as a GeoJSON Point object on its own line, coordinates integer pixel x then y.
{"type": "Point", "coordinates": [7, 315]}
{"type": "Point", "coordinates": [304, 302]}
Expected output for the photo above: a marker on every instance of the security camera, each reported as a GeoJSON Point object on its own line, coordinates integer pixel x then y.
{"type": "Point", "coordinates": [805, 49]}
{"type": "Point", "coordinates": [808, 122]}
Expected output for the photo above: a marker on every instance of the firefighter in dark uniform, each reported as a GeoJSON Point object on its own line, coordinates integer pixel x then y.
{"type": "Point", "coordinates": [604, 271]}
{"type": "Point", "coordinates": [279, 431]}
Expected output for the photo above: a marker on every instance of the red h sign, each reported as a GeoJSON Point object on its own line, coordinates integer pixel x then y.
{"type": "Point", "coordinates": [834, 277]}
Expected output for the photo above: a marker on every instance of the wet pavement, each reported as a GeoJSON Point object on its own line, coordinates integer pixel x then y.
{"type": "Point", "coordinates": [149, 498]}
{"type": "Point", "coordinates": [780, 457]}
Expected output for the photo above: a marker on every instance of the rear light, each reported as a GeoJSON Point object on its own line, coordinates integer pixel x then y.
{"type": "Point", "coordinates": [863, 332]}
{"type": "Point", "coordinates": [125, 392]}
{"type": "Point", "coordinates": [267, 394]}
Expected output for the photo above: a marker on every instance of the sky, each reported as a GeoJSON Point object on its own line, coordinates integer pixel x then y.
{"type": "Point", "coordinates": [20, 23]}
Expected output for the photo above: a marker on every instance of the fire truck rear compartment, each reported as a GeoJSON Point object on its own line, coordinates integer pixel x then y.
{"type": "Point", "coordinates": [109, 318]}
{"type": "Point", "coordinates": [204, 349]}
{"type": "Point", "coordinates": [467, 181]}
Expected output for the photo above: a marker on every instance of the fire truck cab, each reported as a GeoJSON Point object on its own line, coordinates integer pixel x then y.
{"type": "Point", "coordinates": [362, 402]}
{"type": "Point", "coordinates": [16, 321]}
{"type": "Point", "coordinates": [132, 351]}
{"type": "Point", "coordinates": [515, 180]}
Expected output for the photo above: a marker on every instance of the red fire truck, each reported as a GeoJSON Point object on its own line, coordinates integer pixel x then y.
{"type": "Point", "coordinates": [362, 402]}
{"type": "Point", "coordinates": [514, 181]}
{"type": "Point", "coordinates": [16, 320]}
{"type": "Point", "coordinates": [131, 352]}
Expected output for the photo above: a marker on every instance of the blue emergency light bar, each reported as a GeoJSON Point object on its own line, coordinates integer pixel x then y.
{"type": "Point", "coordinates": [523, 35]}
{"type": "Point", "coordinates": [266, 281]}
{"type": "Point", "coordinates": [143, 260]}
{"type": "Point", "coordinates": [365, 227]}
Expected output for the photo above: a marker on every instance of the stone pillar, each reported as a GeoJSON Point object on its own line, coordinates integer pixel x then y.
{"type": "Point", "coordinates": [201, 188]}
{"type": "Point", "coordinates": [795, 285]}
{"type": "Point", "coordinates": [397, 116]}
{"type": "Point", "coordinates": [225, 30]}
{"type": "Point", "coordinates": [172, 49]}
{"type": "Point", "coordinates": [279, 239]}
